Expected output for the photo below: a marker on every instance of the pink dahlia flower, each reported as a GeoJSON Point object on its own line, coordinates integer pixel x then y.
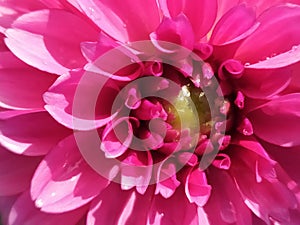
{"type": "Point", "coordinates": [149, 112]}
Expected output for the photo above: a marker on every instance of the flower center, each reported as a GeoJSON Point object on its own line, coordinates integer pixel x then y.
{"type": "Point", "coordinates": [191, 110]}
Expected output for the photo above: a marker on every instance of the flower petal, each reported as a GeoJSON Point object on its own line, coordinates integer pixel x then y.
{"type": "Point", "coordinates": [125, 207]}
{"type": "Point", "coordinates": [176, 210]}
{"type": "Point", "coordinates": [62, 181]}
{"type": "Point", "coordinates": [281, 116]}
{"type": "Point", "coordinates": [31, 215]}
{"type": "Point", "coordinates": [21, 86]}
{"type": "Point", "coordinates": [54, 37]}
{"type": "Point", "coordinates": [167, 182]}
{"type": "Point", "coordinates": [116, 137]}
{"type": "Point", "coordinates": [68, 96]}
{"type": "Point", "coordinates": [264, 83]}
{"type": "Point", "coordinates": [201, 14]}
{"type": "Point", "coordinates": [196, 187]}
{"type": "Point", "coordinates": [234, 23]}
{"type": "Point", "coordinates": [260, 185]}
{"type": "Point", "coordinates": [225, 205]}
{"type": "Point", "coordinates": [30, 132]}
{"type": "Point", "coordinates": [279, 25]}
{"type": "Point", "coordinates": [136, 171]}
{"type": "Point", "coordinates": [15, 172]}
{"type": "Point", "coordinates": [123, 20]}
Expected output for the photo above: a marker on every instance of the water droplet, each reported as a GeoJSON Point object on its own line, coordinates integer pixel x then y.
{"type": "Point", "coordinates": [185, 91]}
{"type": "Point", "coordinates": [39, 203]}
{"type": "Point", "coordinates": [267, 58]}
{"type": "Point", "coordinates": [247, 64]}
{"type": "Point", "coordinates": [124, 25]}
{"type": "Point", "coordinates": [73, 178]}
{"type": "Point", "coordinates": [53, 194]}
{"type": "Point", "coordinates": [294, 48]}
{"type": "Point", "coordinates": [201, 94]}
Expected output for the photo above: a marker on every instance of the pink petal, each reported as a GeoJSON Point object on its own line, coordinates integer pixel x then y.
{"type": "Point", "coordinates": [177, 31]}
{"type": "Point", "coordinates": [196, 187]}
{"type": "Point", "coordinates": [201, 14]}
{"type": "Point", "coordinates": [169, 211]}
{"type": "Point", "coordinates": [62, 182]}
{"type": "Point", "coordinates": [117, 137]}
{"type": "Point", "coordinates": [125, 207]}
{"type": "Point", "coordinates": [30, 132]}
{"type": "Point", "coordinates": [149, 110]}
{"type": "Point", "coordinates": [281, 116]}
{"type": "Point", "coordinates": [225, 205]}
{"type": "Point", "coordinates": [123, 20]}
{"type": "Point", "coordinates": [136, 171]}
{"type": "Point", "coordinates": [167, 182]}
{"type": "Point", "coordinates": [68, 96]}
{"type": "Point", "coordinates": [281, 18]}
{"type": "Point", "coordinates": [234, 23]}
{"type": "Point", "coordinates": [15, 172]}
{"type": "Point", "coordinates": [21, 86]}
{"type": "Point", "coordinates": [24, 212]}
{"type": "Point", "coordinates": [263, 191]}
{"type": "Point", "coordinates": [287, 158]}
{"type": "Point", "coordinates": [264, 83]}
{"type": "Point", "coordinates": [47, 32]}
{"type": "Point", "coordinates": [5, 206]}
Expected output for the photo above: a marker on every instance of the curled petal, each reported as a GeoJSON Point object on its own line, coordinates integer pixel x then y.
{"type": "Point", "coordinates": [117, 137]}
{"type": "Point", "coordinates": [136, 170]}
{"type": "Point", "coordinates": [196, 187]}
{"type": "Point", "coordinates": [167, 182]}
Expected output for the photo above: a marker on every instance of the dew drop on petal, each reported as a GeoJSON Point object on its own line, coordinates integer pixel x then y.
{"type": "Point", "coordinates": [39, 203]}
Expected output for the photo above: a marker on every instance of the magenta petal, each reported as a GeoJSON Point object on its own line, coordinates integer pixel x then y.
{"type": "Point", "coordinates": [47, 32]}
{"type": "Point", "coordinates": [201, 14]}
{"type": "Point", "coordinates": [67, 97]}
{"type": "Point", "coordinates": [136, 171]}
{"type": "Point", "coordinates": [167, 182]}
{"type": "Point", "coordinates": [281, 18]}
{"type": "Point", "coordinates": [123, 20]}
{"type": "Point", "coordinates": [177, 31]}
{"type": "Point", "coordinates": [5, 206]}
{"type": "Point", "coordinates": [176, 210]}
{"type": "Point", "coordinates": [234, 23]}
{"type": "Point", "coordinates": [18, 79]}
{"type": "Point", "coordinates": [116, 206]}
{"type": "Point", "coordinates": [30, 132]}
{"type": "Point", "coordinates": [196, 187]}
{"type": "Point", "coordinates": [62, 181]}
{"type": "Point", "coordinates": [264, 83]}
{"type": "Point", "coordinates": [16, 172]}
{"type": "Point", "coordinates": [117, 137]}
{"type": "Point", "coordinates": [261, 186]}
{"type": "Point", "coordinates": [280, 115]}
{"type": "Point", "coordinates": [225, 205]}
{"type": "Point", "coordinates": [24, 212]}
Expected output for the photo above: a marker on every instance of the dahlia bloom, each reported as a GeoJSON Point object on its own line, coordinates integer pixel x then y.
{"type": "Point", "coordinates": [149, 112]}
